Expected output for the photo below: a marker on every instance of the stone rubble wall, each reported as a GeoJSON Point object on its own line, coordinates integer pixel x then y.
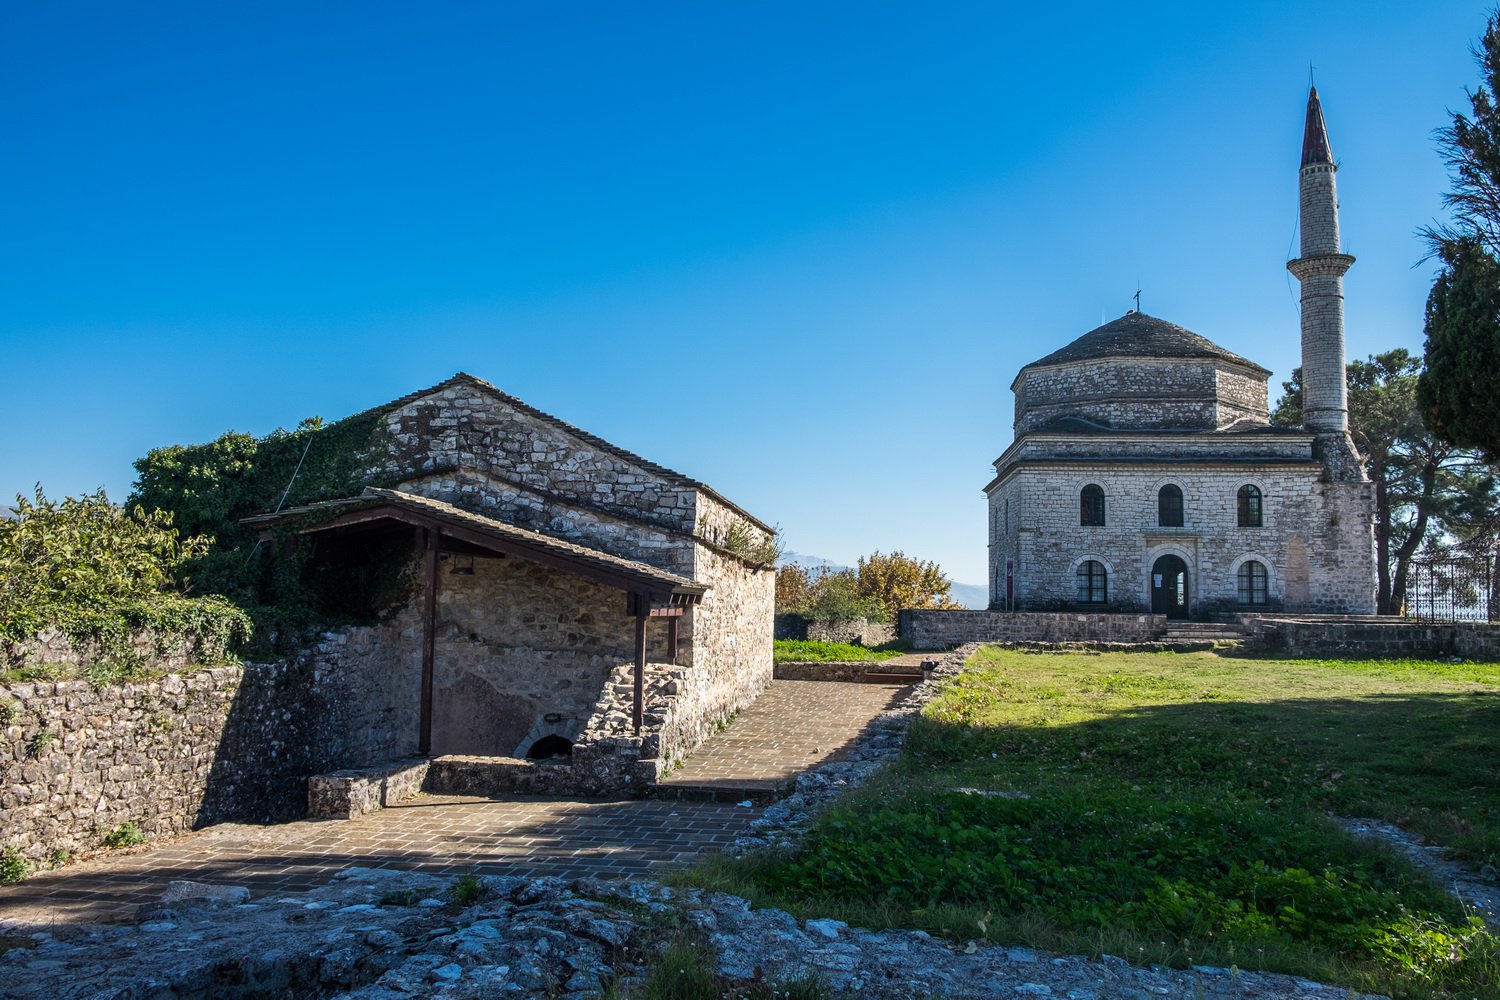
{"type": "Point", "coordinates": [180, 750]}
{"type": "Point", "coordinates": [1388, 637]}
{"type": "Point", "coordinates": [941, 629]}
{"type": "Point", "coordinates": [853, 631]}
{"type": "Point", "coordinates": [465, 427]}
{"type": "Point", "coordinates": [162, 650]}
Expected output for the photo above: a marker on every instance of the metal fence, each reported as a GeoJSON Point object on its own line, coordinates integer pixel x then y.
{"type": "Point", "coordinates": [1452, 590]}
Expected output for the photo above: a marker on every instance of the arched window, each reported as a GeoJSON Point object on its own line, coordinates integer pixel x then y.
{"type": "Point", "coordinates": [1091, 506]}
{"type": "Point", "coordinates": [1252, 582]}
{"type": "Point", "coordinates": [1169, 506]}
{"type": "Point", "coordinates": [1248, 506]}
{"type": "Point", "coordinates": [1092, 582]}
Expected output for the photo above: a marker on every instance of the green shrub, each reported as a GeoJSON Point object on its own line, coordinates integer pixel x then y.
{"type": "Point", "coordinates": [127, 834]}
{"type": "Point", "coordinates": [9, 710]}
{"type": "Point", "coordinates": [102, 574]}
{"type": "Point", "coordinates": [466, 890]}
{"type": "Point", "coordinates": [40, 744]}
{"type": "Point", "coordinates": [401, 897]}
{"type": "Point", "coordinates": [60, 857]}
{"type": "Point", "coordinates": [13, 866]}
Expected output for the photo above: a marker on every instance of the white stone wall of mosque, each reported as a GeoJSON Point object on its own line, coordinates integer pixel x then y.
{"type": "Point", "coordinates": [1315, 539]}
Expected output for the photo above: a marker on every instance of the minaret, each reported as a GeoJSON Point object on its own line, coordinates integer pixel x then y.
{"type": "Point", "coordinates": [1320, 269]}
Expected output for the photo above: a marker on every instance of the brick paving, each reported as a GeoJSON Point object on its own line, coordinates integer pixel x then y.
{"type": "Point", "coordinates": [793, 726]}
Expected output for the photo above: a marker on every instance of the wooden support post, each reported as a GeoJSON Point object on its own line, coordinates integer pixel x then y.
{"type": "Point", "coordinates": [429, 634]}
{"type": "Point", "coordinates": [639, 710]}
{"type": "Point", "coordinates": [672, 639]}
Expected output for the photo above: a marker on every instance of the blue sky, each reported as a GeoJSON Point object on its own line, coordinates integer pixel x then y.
{"type": "Point", "coordinates": [796, 250]}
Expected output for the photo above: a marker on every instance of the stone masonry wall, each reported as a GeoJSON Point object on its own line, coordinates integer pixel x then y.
{"type": "Point", "coordinates": [523, 651]}
{"type": "Point", "coordinates": [1140, 393]}
{"type": "Point", "coordinates": [1315, 539]}
{"type": "Point", "coordinates": [183, 750]}
{"type": "Point", "coordinates": [1389, 637]}
{"type": "Point", "coordinates": [933, 629]}
{"type": "Point", "coordinates": [162, 651]}
{"type": "Point", "coordinates": [464, 426]}
{"type": "Point", "coordinates": [857, 631]}
{"type": "Point", "coordinates": [728, 658]}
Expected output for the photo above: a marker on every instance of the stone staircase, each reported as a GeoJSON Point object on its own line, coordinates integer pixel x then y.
{"type": "Point", "coordinates": [1202, 632]}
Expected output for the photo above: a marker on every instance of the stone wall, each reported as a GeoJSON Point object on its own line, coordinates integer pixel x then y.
{"type": "Point", "coordinates": [182, 750]}
{"type": "Point", "coordinates": [1382, 637]}
{"type": "Point", "coordinates": [1140, 393]}
{"type": "Point", "coordinates": [523, 651]}
{"type": "Point", "coordinates": [728, 658]}
{"type": "Point", "coordinates": [855, 631]}
{"type": "Point", "coordinates": [1314, 540]}
{"type": "Point", "coordinates": [162, 650]}
{"type": "Point", "coordinates": [465, 426]}
{"type": "Point", "coordinates": [931, 629]}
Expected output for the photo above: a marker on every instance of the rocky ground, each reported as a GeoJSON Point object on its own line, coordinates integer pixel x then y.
{"type": "Point", "coordinates": [390, 934]}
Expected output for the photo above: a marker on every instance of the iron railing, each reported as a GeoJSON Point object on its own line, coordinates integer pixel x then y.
{"type": "Point", "coordinates": [1458, 589]}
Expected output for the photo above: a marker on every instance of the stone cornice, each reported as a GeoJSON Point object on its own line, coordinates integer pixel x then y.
{"type": "Point", "coordinates": [1329, 265]}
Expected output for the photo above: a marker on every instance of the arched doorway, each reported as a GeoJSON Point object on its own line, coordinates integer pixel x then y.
{"type": "Point", "coordinates": [1169, 587]}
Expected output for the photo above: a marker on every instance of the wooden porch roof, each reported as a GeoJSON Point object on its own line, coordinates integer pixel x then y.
{"type": "Point", "coordinates": [375, 505]}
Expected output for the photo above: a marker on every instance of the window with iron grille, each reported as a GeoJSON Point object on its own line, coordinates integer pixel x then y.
{"type": "Point", "coordinates": [1092, 583]}
{"type": "Point", "coordinates": [1091, 506]}
{"type": "Point", "coordinates": [1169, 506]}
{"type": "Point", "coordinates": [1248, 506]}
{"type": "Point", "coordinates": [1252, 582]}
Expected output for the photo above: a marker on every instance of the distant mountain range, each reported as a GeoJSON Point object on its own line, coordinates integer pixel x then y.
{"type": "Point", "coordinates": [970, 595]}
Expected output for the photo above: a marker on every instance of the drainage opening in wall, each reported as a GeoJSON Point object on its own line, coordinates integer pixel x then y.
{"type": "Point", "coordinates": [550, 746]}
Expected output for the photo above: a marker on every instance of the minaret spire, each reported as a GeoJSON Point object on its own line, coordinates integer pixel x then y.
{"type": "Point", "coordinates": [1320, 269]}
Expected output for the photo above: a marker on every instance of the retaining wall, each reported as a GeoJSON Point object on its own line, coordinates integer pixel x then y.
{"type": "Point", "coordinates": [1388, 637]}
{"type": "Point", "coordinates": [932, 629]}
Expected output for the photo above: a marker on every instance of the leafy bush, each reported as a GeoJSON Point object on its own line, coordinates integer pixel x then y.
{"type": "Point", "coordinates": [127, 834]}
{"type": "Point", "coordinates": [14, 867]}
{"type": "Point", "coordinates": [879, 587]}
{"type": "Point", "coordinates": [101, 574]}
{"type": "Point", "coordinates": [40, 744]}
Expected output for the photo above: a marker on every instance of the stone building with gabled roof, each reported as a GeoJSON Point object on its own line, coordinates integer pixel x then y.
{"type": "Point", "coordinates": [579, 618]}
{"type": "Point", "coordinates": [1145, 474]}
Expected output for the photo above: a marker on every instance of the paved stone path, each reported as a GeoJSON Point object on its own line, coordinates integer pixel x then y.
{"type": "Point", "coordinates": [794, 725]}
{"type": "Point", "coordinates": [791, 727]}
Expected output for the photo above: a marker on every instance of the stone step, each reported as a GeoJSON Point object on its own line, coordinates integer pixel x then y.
{"type": "Point", "coordinates": [757, 793]}
{"type": "Point", "coordinates": [900, 676]}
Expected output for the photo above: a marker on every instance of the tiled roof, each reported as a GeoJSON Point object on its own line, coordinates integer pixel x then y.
{"type": "Point", "coordinates": [500, 531]}
{"type": "Point", "coordinates": [676, 478]}
{"type": "Point", "coordinates": [1137, 335]}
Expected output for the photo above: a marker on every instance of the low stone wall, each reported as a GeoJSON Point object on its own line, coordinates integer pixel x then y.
{"type": "Point", "coordinates": [932, 629]}
{"type": "Point", "coordinates": [855, 631]}
{"type": "Point", "coordinates": [185, 749]}
{"type": "Point", "coordinates": [828, 670]}
{"type": "Point", "coordinates": [162, 650]}
{"type": "Point", "coordinates": [1370, 636]}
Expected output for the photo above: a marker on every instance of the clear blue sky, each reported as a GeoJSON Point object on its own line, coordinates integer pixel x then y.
{"type": "Point", "coordinates": [796, 250]}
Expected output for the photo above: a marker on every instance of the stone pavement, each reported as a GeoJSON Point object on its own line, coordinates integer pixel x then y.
{"type": "Point", "coordinates": [436, 834]}
{"type": "Point", "coordinates": [793, 726]}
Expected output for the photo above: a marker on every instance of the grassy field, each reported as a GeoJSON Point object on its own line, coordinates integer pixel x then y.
{"type": "Point", "coordinates": [810, 651]}
{"type": "Point", "coordinates": [1174, 808]}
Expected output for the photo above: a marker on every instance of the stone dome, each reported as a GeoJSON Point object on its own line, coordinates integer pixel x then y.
{"type": "Point", "coordinates": [1140, 373]}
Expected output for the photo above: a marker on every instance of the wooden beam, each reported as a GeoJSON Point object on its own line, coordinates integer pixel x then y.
{"type": "Point", "coordinates": [672, 640]}
{"type": "Point", "coordinates": [638, 711]}
{"type": "Point", "coordinates": [429, 538]}
{"type": "Point", "coordinates": [666, 612]}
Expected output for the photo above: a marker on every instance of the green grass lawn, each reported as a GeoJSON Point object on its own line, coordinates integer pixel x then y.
{"type": "Point", "coordinates": [809, 651]}
{"type": "Point", "coordinates": [1173, 808]}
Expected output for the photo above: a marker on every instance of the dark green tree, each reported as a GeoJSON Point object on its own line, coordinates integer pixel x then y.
{"type": "Point", "coordinates": [1428, 492]}
{"type": "Point", "coordinates": [1458, 389]}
